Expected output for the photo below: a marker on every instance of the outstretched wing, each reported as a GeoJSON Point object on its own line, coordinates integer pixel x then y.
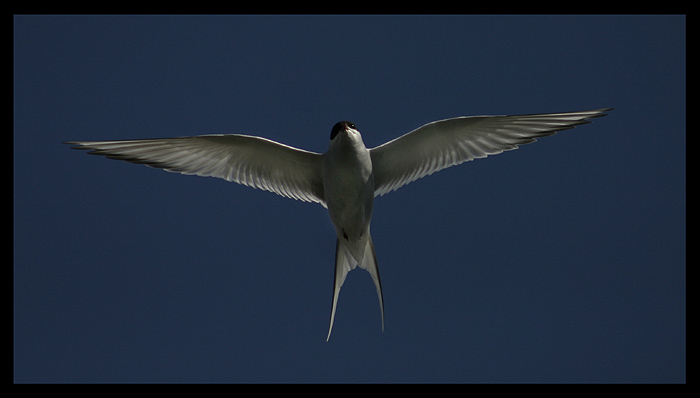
{"type": "Point", "coordinates": [444, 143]}
{"type": "Point", "coordinates": [253, 161]}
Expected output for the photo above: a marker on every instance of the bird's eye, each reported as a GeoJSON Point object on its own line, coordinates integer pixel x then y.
{"type": "Point", "coordinates": [351, 125]}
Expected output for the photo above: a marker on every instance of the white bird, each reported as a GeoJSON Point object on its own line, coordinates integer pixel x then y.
{"type": "Point", "coordinates": [346, 178]}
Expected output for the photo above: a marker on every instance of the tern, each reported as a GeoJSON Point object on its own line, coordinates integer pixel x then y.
{"type": "Point", "coordinates": [346, 178]}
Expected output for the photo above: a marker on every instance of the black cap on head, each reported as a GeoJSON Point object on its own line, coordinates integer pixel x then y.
{"type": "Point", "coordinates": [341, 126]}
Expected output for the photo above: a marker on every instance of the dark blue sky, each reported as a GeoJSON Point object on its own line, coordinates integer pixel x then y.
{"type": "Point", "coordinates": [563, 261]}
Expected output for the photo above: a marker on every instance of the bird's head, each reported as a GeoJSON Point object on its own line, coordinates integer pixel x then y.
{"type": "Point", "coordinates": [343, 127]}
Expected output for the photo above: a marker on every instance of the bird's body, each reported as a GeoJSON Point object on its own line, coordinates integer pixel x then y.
{"type": "Point", "coordinates": [346, 178]}
{"type": "Point", "coordinates": [349, 191]}
{"type": "Point", "coordinates": [348, 184]}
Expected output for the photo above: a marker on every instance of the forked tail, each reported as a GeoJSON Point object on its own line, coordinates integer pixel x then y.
{"type": "Point", "coordinates": [344, 263]}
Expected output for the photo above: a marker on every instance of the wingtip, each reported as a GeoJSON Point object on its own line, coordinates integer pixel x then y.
{"type": "Point", "coordinates": [601, 112]}
{"type": "Point", "coordinates": [75, 144]}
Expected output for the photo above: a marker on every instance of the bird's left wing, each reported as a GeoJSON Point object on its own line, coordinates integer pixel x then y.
{"type": "Point", "coordinates": [449, 142]}
{"type": "Point", "coordinates": [253, 161]}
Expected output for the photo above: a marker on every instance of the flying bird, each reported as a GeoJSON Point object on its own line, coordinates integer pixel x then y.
{"type": "Point", "coordinates": [348, 176]}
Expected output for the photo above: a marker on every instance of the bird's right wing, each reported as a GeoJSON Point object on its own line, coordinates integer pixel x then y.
{"type": "Point", "coordinates": [449, 142]}
{"type": "Point", "coordinates": [253, 161]}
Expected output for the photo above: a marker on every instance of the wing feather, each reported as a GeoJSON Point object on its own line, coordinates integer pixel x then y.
{"type": "Point", "coordinates": [444, 143]}
{"type": "Point", "coordinates": [253, 161]}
